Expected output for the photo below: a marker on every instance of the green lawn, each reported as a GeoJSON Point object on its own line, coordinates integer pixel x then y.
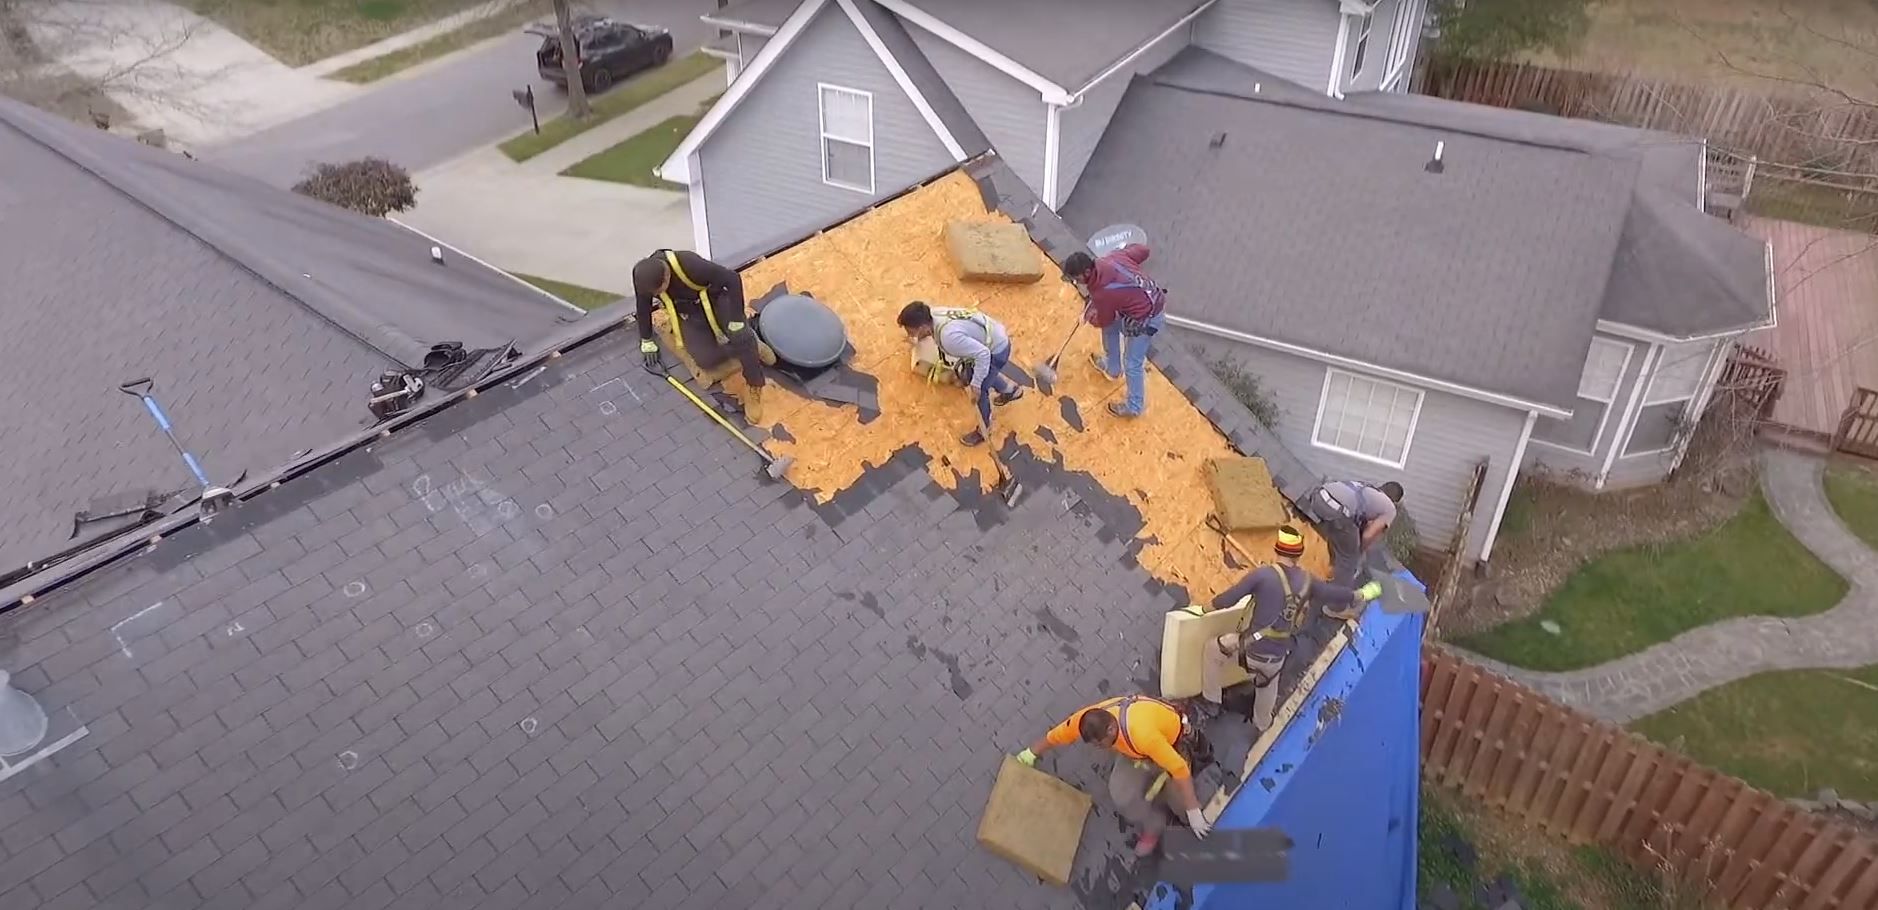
{"type": "Point", "coordinates": [495, 26]}
{"type": "Point", "coordinates": [628, 96]}
{"type": "Point", "coordinates": [1627, 600]}
{"type": "Point", "coordinates": [298, 32]}
{"type": "Point", "coordinates": [632, 161]}
{"type": "Point", "coordinates": [1810, 203]}
{"type": "Point", "coordinates": [1464, 846]}
{"type": "Point", "coordinates": [585, 298]}
{"type": "Point", "coordinates": [1790, 733]}
{"type": "Point", "coordinates": [1853, 493]}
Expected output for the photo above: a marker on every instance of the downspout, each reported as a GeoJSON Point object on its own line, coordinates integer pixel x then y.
{"type": "Point", "coordinates": [1052, 154]}
{"type": "Point", "coordinates": [700, 222]}
{"type": "Point", "coordinates": [1506, 489]}
{"type": "Point", "coordinates": [1336, 57]}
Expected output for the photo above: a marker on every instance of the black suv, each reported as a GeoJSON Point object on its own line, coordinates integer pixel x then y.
{"type": "Point", "coordinates": [606, 50]}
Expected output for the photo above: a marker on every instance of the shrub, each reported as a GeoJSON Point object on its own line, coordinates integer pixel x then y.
{"type": "Point", "coordinates": [1249, 389]}
{"type": "Point", "coordinates": [373, 186]}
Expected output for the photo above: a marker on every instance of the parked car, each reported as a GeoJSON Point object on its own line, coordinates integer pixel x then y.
{"type": "Point", "coordinates": [605, 50]}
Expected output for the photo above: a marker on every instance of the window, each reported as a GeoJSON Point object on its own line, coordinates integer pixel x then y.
{"type": "Point", "coordinates": [1366, 417]}
{"type": "Point", "coordinates": [1362, 43]}
{"type": "Point", "coordinates": [847, 138]}
{"type": "Point", "coordinates": [1597, 388]}
{"type": "Point", "coordinates": [1674, 384]}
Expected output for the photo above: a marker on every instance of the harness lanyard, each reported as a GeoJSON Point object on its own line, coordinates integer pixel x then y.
{"type": "Point", "coordinates": [1295, 603]}
{"type": "Point", "coordinates": [704, 303]}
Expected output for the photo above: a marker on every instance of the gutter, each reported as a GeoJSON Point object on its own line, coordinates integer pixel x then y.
{"type": "Point", "coordinates": [738, 25]}
{"type": "Point", "coordinates": [1075, 97]}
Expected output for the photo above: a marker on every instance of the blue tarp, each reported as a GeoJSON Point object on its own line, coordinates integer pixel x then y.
{"type": "Point", "coordinates": [1342, 780]}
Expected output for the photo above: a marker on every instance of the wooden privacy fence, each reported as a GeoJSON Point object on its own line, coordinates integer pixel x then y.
{"type": "Point", "coordinates": [1753, 376]}
{"type": "Point", "coordinates": [1594, 783]}
{"type": "Point", "coordinates": [1858, 426]}
{"type": "Point", "coordinates": [1781, 129]}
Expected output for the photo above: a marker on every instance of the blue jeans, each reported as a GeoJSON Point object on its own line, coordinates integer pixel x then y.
{"type": "Point", "coordinates": [1128, 357]}
{"type": "Point", "coordinates": [994, 380]}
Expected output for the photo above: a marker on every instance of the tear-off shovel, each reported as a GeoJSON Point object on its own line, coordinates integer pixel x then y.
{"type": "Point", "coordinates": [213, 497]}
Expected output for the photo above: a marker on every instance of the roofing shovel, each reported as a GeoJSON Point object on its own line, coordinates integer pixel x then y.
{"type": "Point", "coordinates": [213, 497]}
{"type": "Point", "coordinates": [774, 466]}
{"type": "Point", "coordinates": [1045, 372]}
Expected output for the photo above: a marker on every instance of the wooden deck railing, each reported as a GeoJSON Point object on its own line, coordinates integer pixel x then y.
{"type": "Point", "coordinates": [1593, 783]}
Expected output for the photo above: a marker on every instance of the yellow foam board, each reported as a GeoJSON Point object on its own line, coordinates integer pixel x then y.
{"type": "Point", "coordinates": [994, 251]}
{"type": "Point", "coordinates": [1034, 820]}
{"type": "Point", "coordinates": [1184, 637]}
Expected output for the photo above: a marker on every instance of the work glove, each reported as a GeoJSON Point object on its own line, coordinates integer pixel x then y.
{"type": "Point", "coordinates": [733, 327]}
{"type": "Point", "coordinates": [1195, 609]}
{"type": "Point", "coordinates": [649, 350]}
{"type": "Point", "coordinates": [1368, 592]}
{"type": "Point", "coordinates": [1028, 757]}
{"type": "Point", "coordinates": [1197, 821]}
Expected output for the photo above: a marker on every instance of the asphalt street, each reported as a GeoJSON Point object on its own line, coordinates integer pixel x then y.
{"type": "Point", "coordinates": [426, 119]}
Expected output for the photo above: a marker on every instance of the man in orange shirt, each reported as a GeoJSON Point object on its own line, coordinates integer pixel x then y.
{"type": "Point", "coordinates": [1144, 733]}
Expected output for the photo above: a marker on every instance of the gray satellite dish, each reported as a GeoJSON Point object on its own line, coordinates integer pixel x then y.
{"type": "Point", "coordinates": [1114, 237]}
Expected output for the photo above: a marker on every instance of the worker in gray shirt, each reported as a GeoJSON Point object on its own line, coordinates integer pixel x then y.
{"type": "Point", "coordinates": [1352, 516]}
{"type": "Point", "coordinates": [973, 346]}
{"type": "Point", "coordinates": [1282, 595]}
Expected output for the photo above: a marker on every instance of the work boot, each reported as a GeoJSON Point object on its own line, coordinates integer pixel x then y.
{"type": "Point", "coordinates": [1003, 398]}
{"type": "Point", "coordinates": [1147, 843]}
{"type": "Point", "coordinates": [765, 353]}
{"type": "Point", "coordinates": [1344, 614]}
{"type": "Point", "coordinates": [711, 376]}
{"type": "Point", "coordinates": [753, 406]}
{"type": "Point", "coordinates": [973, 439]}
{"type": "Point", "coordinates": [1121, 410]}
{"type": "Point", "coordinates": [1102, 367]}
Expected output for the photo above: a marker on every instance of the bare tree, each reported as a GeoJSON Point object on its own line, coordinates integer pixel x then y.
{"type": "Point", "coordinates": [571, 62]}
{"type": "Point", "coordinates": [96, 58]}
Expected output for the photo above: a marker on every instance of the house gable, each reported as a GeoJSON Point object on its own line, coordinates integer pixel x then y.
{"type": "Point", "coordinates": [760, 170]}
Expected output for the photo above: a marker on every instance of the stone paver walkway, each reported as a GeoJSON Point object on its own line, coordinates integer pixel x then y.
{"type": "Point", "coordinates": [1656, 678]}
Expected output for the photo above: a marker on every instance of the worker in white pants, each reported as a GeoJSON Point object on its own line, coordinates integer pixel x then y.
{"type": "Point", "coordinates": [1282, 595]}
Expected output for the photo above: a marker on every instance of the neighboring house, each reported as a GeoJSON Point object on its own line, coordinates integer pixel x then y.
{"type": "Point", "coordinates": [837, 102]}
{"type": "Point", "coordinates": [261, 316]}
{"type": "Point", "coordinates": [1549, 293]}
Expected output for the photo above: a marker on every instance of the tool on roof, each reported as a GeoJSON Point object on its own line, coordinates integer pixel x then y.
{"type": "Point", "coordinates": [1007, 488]}
{"type": "Point", "coordinates": [1101, 243]}
{"type": "Point", "coordinates": [1045, 372]}
{"type": "Point", "coordinates": [213, 497]}
{"type": "Point", "coordinates": [774, 466]}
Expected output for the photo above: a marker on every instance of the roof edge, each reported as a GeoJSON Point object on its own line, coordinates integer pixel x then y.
{"type": "Point", "coordinates": [1052, 93]}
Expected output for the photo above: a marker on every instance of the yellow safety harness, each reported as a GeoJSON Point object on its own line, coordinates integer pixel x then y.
{"type": "Point", "coordinates": [946, 363]}
{"type": "Point", "coordinates": [704, 303]}
{"type": "Point", "coordinates": [1291, 618]}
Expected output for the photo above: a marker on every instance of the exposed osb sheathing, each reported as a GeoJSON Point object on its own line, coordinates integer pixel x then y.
{"type": "Point", "coordinates": [871, 266]}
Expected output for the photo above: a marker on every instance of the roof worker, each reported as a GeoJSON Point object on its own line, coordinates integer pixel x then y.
{"type": "Point", "coordinates": [1146, 734]}
{"type": "Point", "coordinates": [972, 345]}
{"type": "Point", "coordinates": [1352, 516]}
{"type": "Point", "coordinates": [704, 303]}
{"type": "Point", "coordinates": [1282, 596]}
{"type": "Point", "coordinates": [1129, 308]}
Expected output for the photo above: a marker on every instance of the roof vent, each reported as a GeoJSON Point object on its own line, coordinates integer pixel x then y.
{"type": "Point", "coordinates": [1434, 165]}
{"type": "Point", "coordinates": [436, 255]}
{"type": "Point", "coordinates": [1219, 139]}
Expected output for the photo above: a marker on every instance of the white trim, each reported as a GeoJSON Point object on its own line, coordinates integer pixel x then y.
{"type": "Point", "coordinates": [1408, 441]}
{"type": "Point", "coordinates": [1718, 359]}
{"type": "Point", "coordinates": [1701, 181]}
{"type": "Point", "coordinates": [1604, 420]}
{"type": "Point", "coordinates": [1654, 337]}
{"type": "Point", "coordinates": [1116, 67]}
{"type": "Point", "coordinates": [1773, 291]}
{"type": "Point", "coordinates": [700, 219]}
{"type": "Point", "coordinates": [1052, 150]}
{"type": "Point", "coordinates": [1400, 39]}
{"type": "Point", "coordinates": [677, 166]}
{"type": "Point", "coordinates": [898, 72]}
{"type": "Point", "coordinates": [741, 26]}
{"type": "Point", "coordinates": [1506, 489]}
{"type": "Point", "coordinates": [486, 265]}
{"type": "Point", "coordinates": [1364, 39]}
{"type": "Point", "coordinates": [1336, 56]}
{"type": "Point", "coordinates": [1703, 382]}
{"type": "Point", "coordinates": [1630, 415]}
{"type": "Point", "coordinates": [1052, 93]}
{"type": "Point", "coordinates": [821, 122]}
{"type": "Point", "coordinates": [1350, 363]}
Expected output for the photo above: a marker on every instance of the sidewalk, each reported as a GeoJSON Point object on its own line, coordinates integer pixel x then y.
{"type": "Point", "coordinates": [526, 218]}
{"type": "Point", "coordinates": [403, 40]}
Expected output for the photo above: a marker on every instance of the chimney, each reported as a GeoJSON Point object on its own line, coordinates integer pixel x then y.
{"type": "Point", "coordinates": [1434, 165]}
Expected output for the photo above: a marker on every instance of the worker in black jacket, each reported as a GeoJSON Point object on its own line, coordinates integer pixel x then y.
{"type": "Point", "coordinates": [703, 302]}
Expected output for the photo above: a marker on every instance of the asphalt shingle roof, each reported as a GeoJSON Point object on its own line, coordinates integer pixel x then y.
{"type": "Point", "coordinates": [1315, 222]}
{"type": "Point", "coordinates": [259, 314]}
{"type": "Point", "coordinates": [558, 646]}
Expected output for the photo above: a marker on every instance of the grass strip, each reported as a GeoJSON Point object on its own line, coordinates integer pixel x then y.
{"type": "Point", "coordinates": [584, 297]}
{"type": "Point", "coordinates": [627, 97]}
{"type": "Point", "coordinates": [502, 23]}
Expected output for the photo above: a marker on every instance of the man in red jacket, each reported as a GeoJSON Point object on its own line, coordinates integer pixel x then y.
{"type": "Point", "coordinates": [1129, 308]}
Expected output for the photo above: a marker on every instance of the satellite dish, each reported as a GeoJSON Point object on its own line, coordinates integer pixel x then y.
{"type": "Point", "coordinates": [1114, 237]}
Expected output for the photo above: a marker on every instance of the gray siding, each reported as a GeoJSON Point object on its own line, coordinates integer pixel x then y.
{"type": "Point", "coordinates": [1012, 114]}
{"type": "Point", "coordinates": [1295, 39]}
{"type": "Point", "coordinates": [1082, 126]}
{"type": "Point", "coordinates": [762, 169]}
{"type": "Point", "coordinates": [1451, 436]}
{"type": "Point", "coordinates": [1580, 466]}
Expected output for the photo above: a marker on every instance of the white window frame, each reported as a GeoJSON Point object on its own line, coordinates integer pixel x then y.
{"type": "Point", "coordinates": [1703, 379]}
{"type": "Point", "coordinates": [821, 116]}
{"type": "Point", "coordinates": [1366, 23]}
{"type": "Point", "coordinates": [1604, 422]}
{"type": "Point", "coordinates": [1323, 399]}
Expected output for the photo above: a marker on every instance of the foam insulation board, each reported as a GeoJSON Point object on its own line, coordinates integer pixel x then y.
{"type": "Point", "coordinates": [1034, 820]}
{"type": "Point", "coordinates": [867, 268]}
{"type": "Point", "coordinates": [1184, 638]}
{"type": "Point", "coordinates": [994, 251]}
{"type": "Point", "coordinates": [1243, 495]}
